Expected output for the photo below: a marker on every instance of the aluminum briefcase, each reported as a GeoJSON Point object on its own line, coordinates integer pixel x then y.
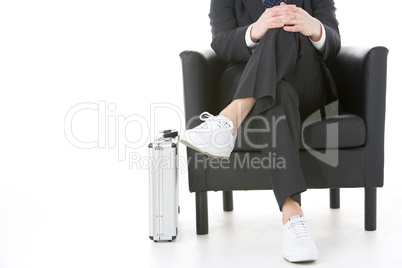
{"type": "Point", "coordinates": [163, 187]}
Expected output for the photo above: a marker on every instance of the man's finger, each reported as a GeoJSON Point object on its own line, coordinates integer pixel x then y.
{"type": "Point", "coordinates": [290, 21]}
{"type": "Point", "coordinates": [285, 7]}
{"type": "Point", "coordinates": [293, 28]}
{"type": "Point", "coordinates": [277, 13]}
{"type": "Point", "coordinates": [280, 11]}
{"type": "Point", "coordinates": [276, 24]}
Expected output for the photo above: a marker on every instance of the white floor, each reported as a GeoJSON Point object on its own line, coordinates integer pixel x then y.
{"type": "Point", "coordinates": [101, 220]}
{"type": "Point", "coordinates": [250, 236]}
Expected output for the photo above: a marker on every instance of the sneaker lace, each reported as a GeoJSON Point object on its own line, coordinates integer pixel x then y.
{"type": "Point", "coordinates": [299, 229]}
{"type": "Point", "coordinates": [221, 122]}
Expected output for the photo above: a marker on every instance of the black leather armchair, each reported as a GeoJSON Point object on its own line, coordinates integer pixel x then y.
{"type": "Point", "coordinates": [360, 76]}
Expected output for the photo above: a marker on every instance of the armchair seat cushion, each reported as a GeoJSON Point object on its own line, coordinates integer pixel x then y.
{"type": "Point", "coordinates": [352, 133]}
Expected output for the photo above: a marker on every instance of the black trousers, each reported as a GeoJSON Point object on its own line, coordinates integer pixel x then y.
{"type": "Point", "coordinates": [285, 74]}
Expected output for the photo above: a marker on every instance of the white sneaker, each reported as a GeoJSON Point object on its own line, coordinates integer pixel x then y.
{"type": "Point", "coordinates": [297, 243]}
{"type": "Point", "coordinates": [213, 137]}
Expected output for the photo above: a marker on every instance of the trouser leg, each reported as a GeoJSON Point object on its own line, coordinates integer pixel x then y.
{"type": "Point", "coordinates": [278, 134]}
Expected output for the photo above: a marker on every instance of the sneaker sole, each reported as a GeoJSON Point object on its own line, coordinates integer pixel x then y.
{"type": "Point", "coordinates": [201, 151]}
{"type": "Point", "coordinates": [300, 261]}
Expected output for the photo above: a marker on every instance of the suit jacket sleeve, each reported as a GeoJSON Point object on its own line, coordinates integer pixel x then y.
{"type": "Point", "coordinates": [228, 38]}
{"type": "Point", "coordinates": [324, 11]}
{"type": "Point", "coordinates": [228, 33]}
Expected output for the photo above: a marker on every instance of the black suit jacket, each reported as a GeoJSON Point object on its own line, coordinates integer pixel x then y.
{"type": "Point", "coordinates": [231, 18]}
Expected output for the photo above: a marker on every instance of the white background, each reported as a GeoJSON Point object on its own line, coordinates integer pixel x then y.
{"type": "Point", "coordinates": [62, 206]}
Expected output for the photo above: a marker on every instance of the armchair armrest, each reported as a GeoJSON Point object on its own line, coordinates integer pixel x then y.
{"type": "Point", "coordinates": [360, 77]}
{"type": "Point", "coordinates": [201, 73]}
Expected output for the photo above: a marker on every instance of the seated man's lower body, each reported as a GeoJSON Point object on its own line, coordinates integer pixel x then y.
{"type": "Point", "coordinates": [282, 83]}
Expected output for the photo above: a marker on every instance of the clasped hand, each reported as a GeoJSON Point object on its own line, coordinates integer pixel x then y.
{"type": "Point", "coordinates": [288, 17]}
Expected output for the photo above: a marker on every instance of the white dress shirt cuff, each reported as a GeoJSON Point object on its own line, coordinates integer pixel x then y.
{"type": "Point", "coordinates": [319, 45]}
{"type": "Point", "coordinates": [249, 42]}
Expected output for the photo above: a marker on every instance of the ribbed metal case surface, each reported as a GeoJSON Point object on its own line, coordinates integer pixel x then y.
{"type": "Point", "coordinates": [163, 190]}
